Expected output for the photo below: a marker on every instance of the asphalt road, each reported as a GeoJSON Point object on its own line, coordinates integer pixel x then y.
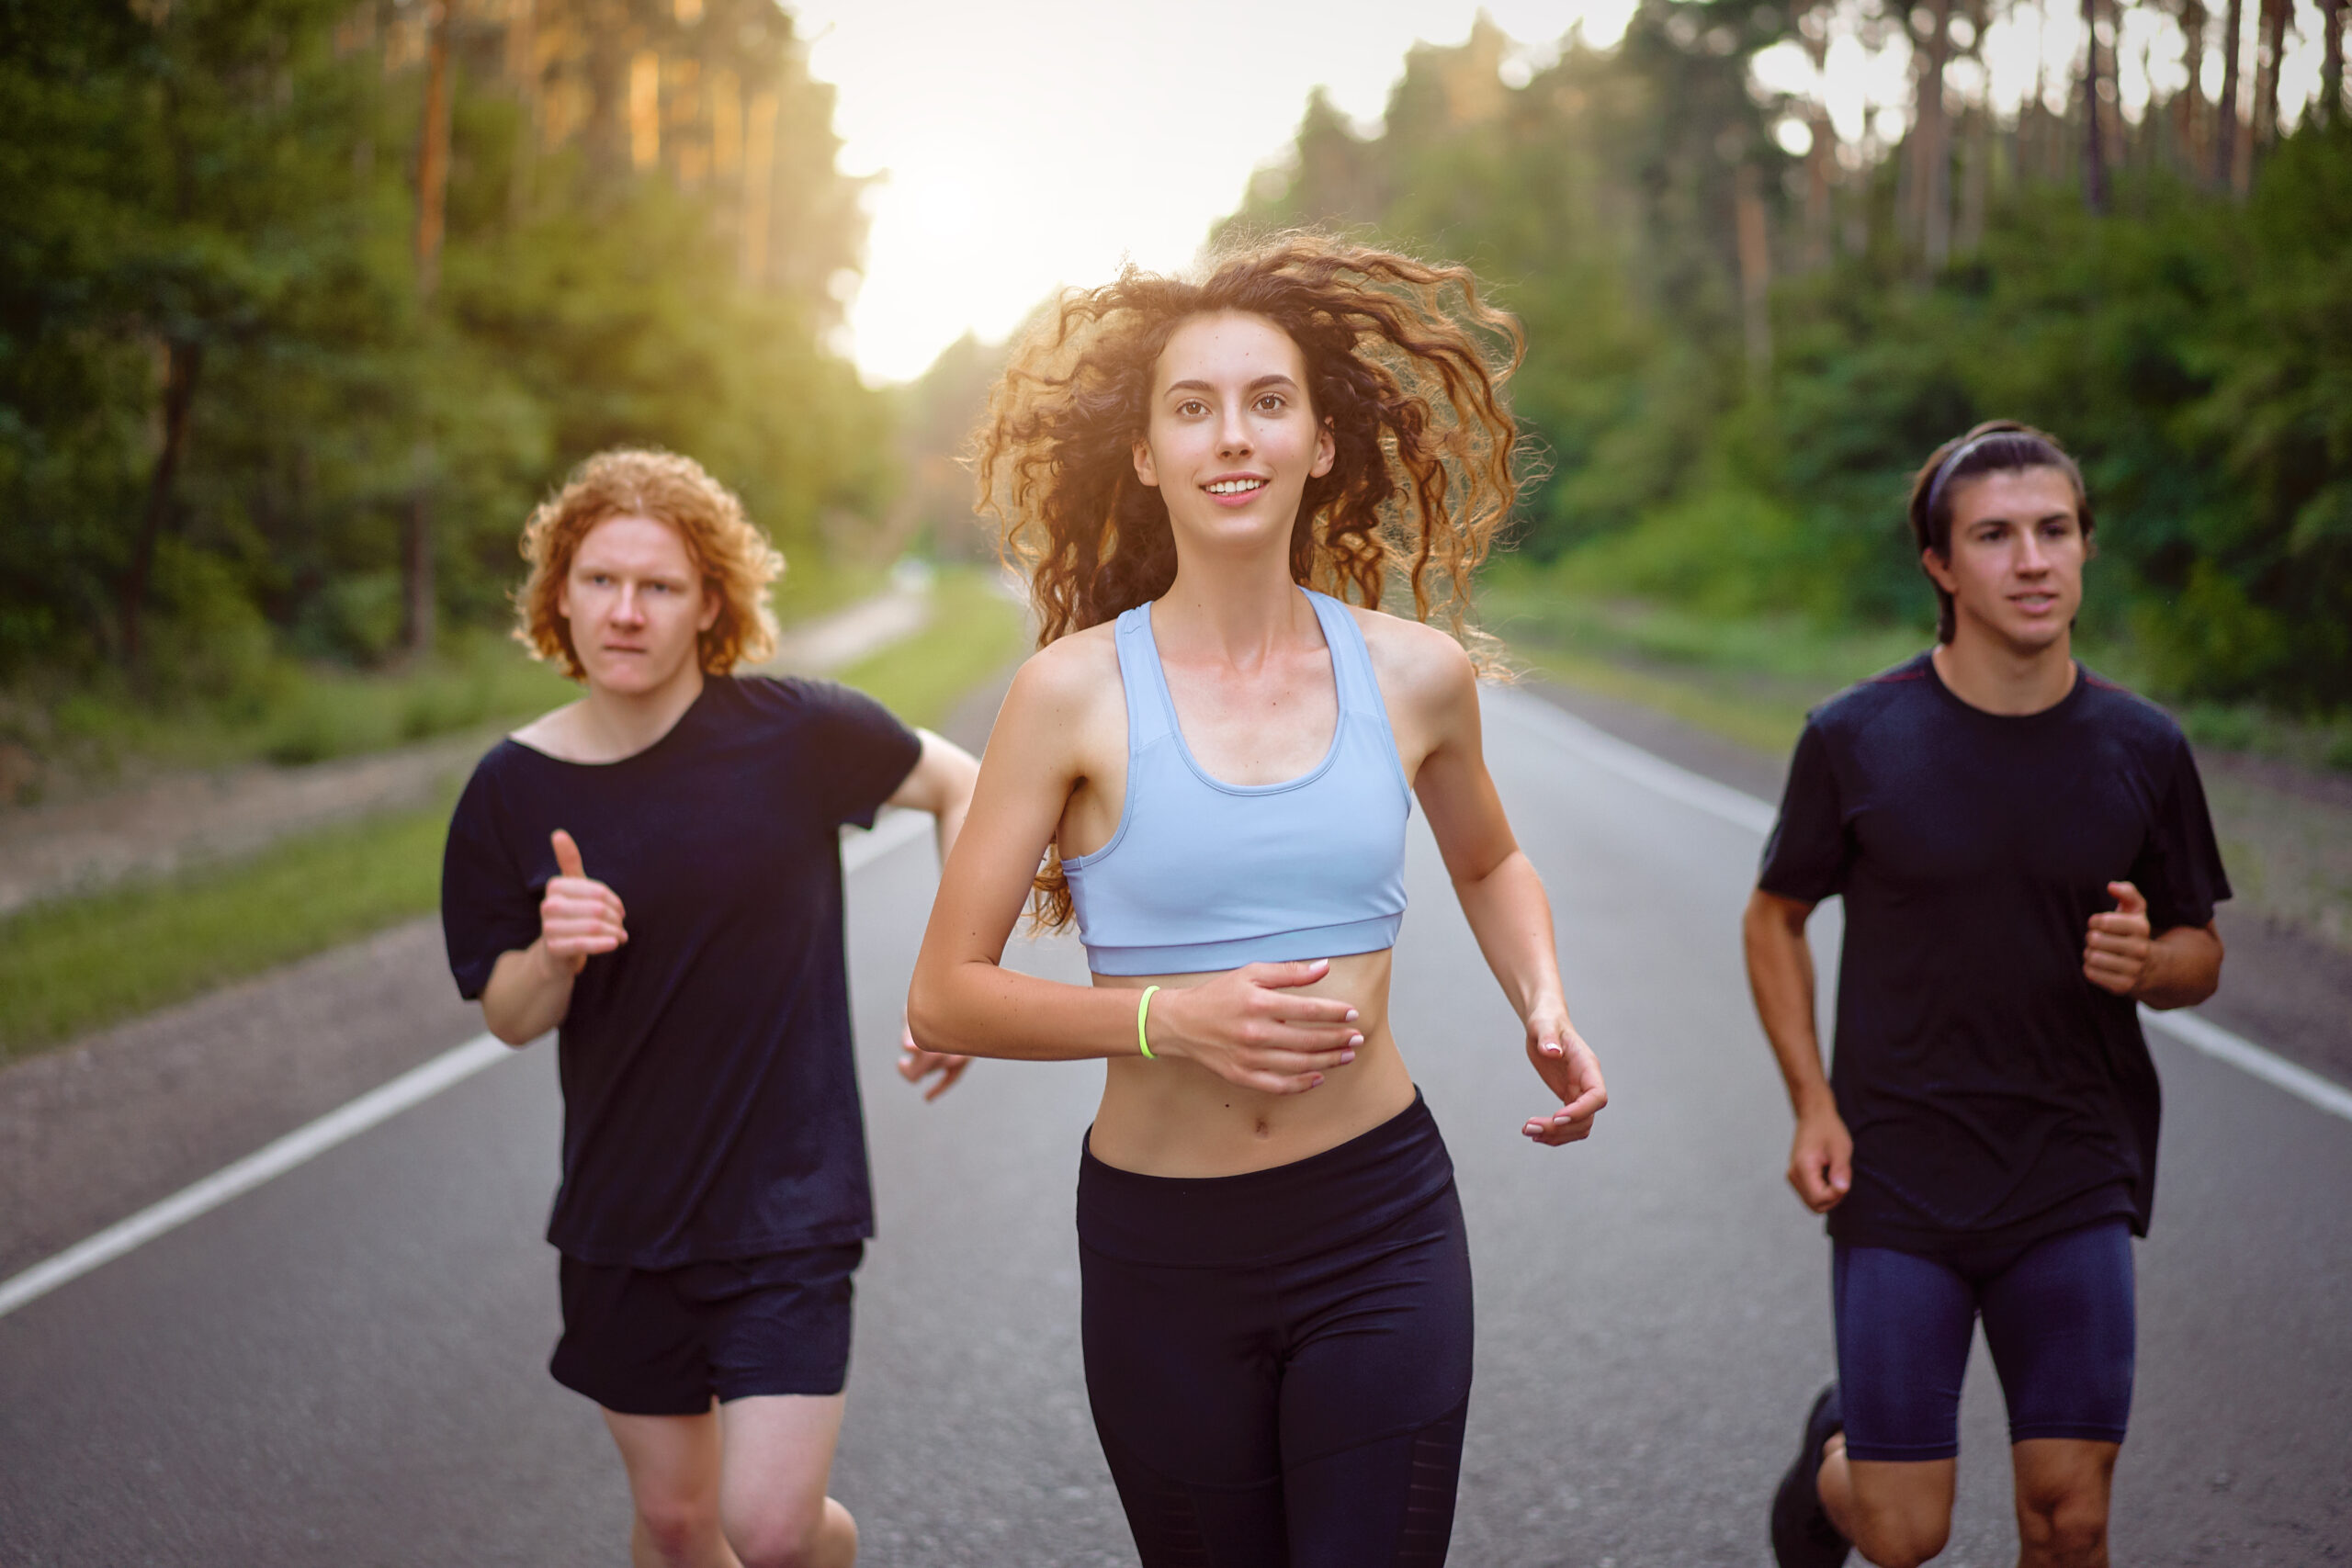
{"type": "Point", "coordinates": [346, 1366]}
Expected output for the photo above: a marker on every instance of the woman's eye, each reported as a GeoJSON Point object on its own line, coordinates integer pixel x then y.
{"type": "Point", "coordinates": [1271, 404]}
{"type": "Point", "coordinates": [1191, 407]}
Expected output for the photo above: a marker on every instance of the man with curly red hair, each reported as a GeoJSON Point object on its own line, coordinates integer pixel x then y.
{"type": "Point", "coordinates": [654, 872]}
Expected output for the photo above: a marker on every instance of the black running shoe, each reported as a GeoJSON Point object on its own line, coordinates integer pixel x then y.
{"type": "Point", "coordinates": [1802, 1536]}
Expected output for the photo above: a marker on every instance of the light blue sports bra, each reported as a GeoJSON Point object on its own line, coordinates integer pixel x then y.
{"type": "Point", "coordinates": [1204, 875]}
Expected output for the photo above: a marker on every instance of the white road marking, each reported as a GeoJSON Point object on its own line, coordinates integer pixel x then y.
{"type": "Point", "coordinates": [891, 831]}
{"type": "Point", "coordinates": [272, 1159]}
{"type": "Point", "coordinates": [1632, 763]}
{"type": "Point", "coordinates": [2190, 1028]}
{"type": "Point", "coordinates": [1744, 810]}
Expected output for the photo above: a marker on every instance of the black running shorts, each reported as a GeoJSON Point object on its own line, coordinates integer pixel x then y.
{"type": "Point", "coordinates": [668, 1341]}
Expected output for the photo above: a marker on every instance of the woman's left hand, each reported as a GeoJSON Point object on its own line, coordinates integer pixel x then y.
{"type": "Point", "coordinates": [1565, 1062]}
{"type": "Point", "coordinates": [915, 1064]}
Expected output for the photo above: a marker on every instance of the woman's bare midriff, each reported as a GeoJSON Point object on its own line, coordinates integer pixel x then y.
{"type": "Point", "coordinates": [1166, 1117]}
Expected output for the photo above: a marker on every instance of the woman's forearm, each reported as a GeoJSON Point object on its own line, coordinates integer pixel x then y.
{"type": "Point", "coordinates": [986, 1010]}
{"type": "Point", "coordinates": [1511, 918]}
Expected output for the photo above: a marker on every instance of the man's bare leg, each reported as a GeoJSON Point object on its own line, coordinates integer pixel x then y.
{"type": "Point", "coordinates": [674, 1483]}
{"type": "Point", "coordinates": [742, 1487]}
{"type": "Point", "coordinates": [779, 1457]}
{"type": "Point", "coordinates": [1897, 1516]}
{"type": "Point", "coordinates": [2063, 1485]}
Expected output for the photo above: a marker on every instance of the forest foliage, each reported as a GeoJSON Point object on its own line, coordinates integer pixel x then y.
{"type": "Point", "coordinates": [1739, 354]}
{"type": "Point", "coordinates": [283, 364]}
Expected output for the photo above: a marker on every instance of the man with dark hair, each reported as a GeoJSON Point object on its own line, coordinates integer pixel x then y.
{"type": "Point", "coordinates": [2025, 855]}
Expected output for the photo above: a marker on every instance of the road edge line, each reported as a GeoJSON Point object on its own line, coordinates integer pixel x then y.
{"type": "Point", "coordinates": [1646, 768]}
{"type": "Point", "coordinates": [346, 1121]}
{"type": "Point", "coordinates": [2203, 1035]}
{"type": "Point", "coordinates": [1737, 806]}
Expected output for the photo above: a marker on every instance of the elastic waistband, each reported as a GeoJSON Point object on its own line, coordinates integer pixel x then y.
{"type": "Point", "coordinates": [1266, 1216]}
{"type": "Point", "coordinates": [1373, 933]}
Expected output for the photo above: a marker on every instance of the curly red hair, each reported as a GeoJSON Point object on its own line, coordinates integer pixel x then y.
{"type": "Point", "coordinates": [734, 558]}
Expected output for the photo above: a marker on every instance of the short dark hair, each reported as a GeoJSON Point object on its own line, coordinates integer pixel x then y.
{"type": "Point", "coordinates": [1997, 445]}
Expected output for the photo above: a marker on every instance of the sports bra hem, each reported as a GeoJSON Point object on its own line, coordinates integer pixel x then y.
{"type": "Point", "coordinates": [1375, 933]}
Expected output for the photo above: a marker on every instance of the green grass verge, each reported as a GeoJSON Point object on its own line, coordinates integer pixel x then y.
{"type": "Point", "coordinates": [974, 632]}
{"type": "Point", "coordinates": [77, 965]}
{"type": "Point", "coordinates": [1748, 680]}
{"type": "Point", "coordinates": [289, 711]}
{"type": "Point", "coordinates": [1751, 678]}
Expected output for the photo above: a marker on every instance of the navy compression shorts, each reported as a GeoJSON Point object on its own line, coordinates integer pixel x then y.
{"type": "Point", "coordinates": [2058, 1318]}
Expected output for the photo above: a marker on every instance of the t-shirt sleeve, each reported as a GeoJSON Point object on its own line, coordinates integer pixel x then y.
{"type": "Point", "coordinates": [1807, 855]}
{"type": "Point", "coordinates": [487, 904]}
{"type": "Point", "coordinates": [2179, 868]}
{"type": "Point", "coordinates": [864, 752]}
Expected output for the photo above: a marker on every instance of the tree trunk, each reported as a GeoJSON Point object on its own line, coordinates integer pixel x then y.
{"type": "Point", "coordinates": [433, 151]}
{"type": "Point", "coordinates": [759, 187]}
{"type": "Point", "coordinates": [432, 192]}
{"type": "Point", "coordinates": [2267, 60]}
{"type": "Point", "coordinates": [523, 68]}
{"type": "Point", "coordinates": [183, 361]}
{"type": "Point", "coordinates": [2331, 69]}
{"type": "Point", "coordinates": [2188, 104]}
{"type": "Point", "coordinates": [2094, 140]}
{"type": "Point", "coordinates": [1934, 132]}
{"type": "Point", "coordinates": [1821, 160]}
{"type": "Point", "coordinates": [2225, 113]}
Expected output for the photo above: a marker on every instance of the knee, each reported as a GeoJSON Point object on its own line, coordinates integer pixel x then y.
{"type": "Point", "coordinates": [2063, 1531]}
{"type": "Point", "coordinates": [1902, 1543]}
{"type": "Point", "coordinates": [680, 1529]}
{"type": "Point", "coordinates": [793, 1538]}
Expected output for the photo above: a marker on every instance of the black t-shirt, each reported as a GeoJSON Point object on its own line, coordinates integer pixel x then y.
{"type": "Point", "coordinates": [1994, 1093]}
{"type": "Point", "coordinates": [710, 1100]}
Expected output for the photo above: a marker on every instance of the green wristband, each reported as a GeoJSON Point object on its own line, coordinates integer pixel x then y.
{"type": "Point", "coordinates": [1143, 1007]}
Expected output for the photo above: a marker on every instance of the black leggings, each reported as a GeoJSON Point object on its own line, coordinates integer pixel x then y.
{"type": "Point", "coordinates": [1279, 1362]}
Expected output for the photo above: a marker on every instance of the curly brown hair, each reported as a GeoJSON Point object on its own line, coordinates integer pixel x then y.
{"type": "Point", "coordinates": [734, 558]}
{"type": "Point", "coordinates": [1405, 361]}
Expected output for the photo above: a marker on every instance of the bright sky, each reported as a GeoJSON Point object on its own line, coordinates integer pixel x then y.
{"type": "Point", "coordinates": [1033, 143]}
{"type": "Point", "coordinates": [1028, 144]}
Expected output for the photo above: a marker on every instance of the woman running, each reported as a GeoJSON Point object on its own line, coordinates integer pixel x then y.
{"type": "Point", "coordinates": [1276, 1312]}
{"type": "Point", "coordinates": [654, 870]}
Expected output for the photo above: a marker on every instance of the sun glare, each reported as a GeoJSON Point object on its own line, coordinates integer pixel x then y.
{"type": "Point", "coordinates": [1020, 146]}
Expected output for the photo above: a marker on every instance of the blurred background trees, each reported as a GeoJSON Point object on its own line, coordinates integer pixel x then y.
{"type": "Point", "coordinates": [1748, 324]}
{"type": "Point", "coordinates": [291, 337]}
{"type": "Point", "coordinates": [304, 302]}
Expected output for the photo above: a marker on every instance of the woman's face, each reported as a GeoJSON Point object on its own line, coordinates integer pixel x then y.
{"type": "Point", "coordinates": [636, 604]}
{"type": "Point", "coordinates": [1232, 439]}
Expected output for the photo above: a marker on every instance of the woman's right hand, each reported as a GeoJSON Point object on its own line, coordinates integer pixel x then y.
{"type": "Point", "coordinates": [1253, 1027]}
{"type": "Point", "coordinates": [579, 916]}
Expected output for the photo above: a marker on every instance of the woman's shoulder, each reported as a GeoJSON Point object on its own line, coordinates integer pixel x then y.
{"type": "Point", "coordinates": [1414, 660]}
{"type": "Point", "coordinates": [1075, 669]}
